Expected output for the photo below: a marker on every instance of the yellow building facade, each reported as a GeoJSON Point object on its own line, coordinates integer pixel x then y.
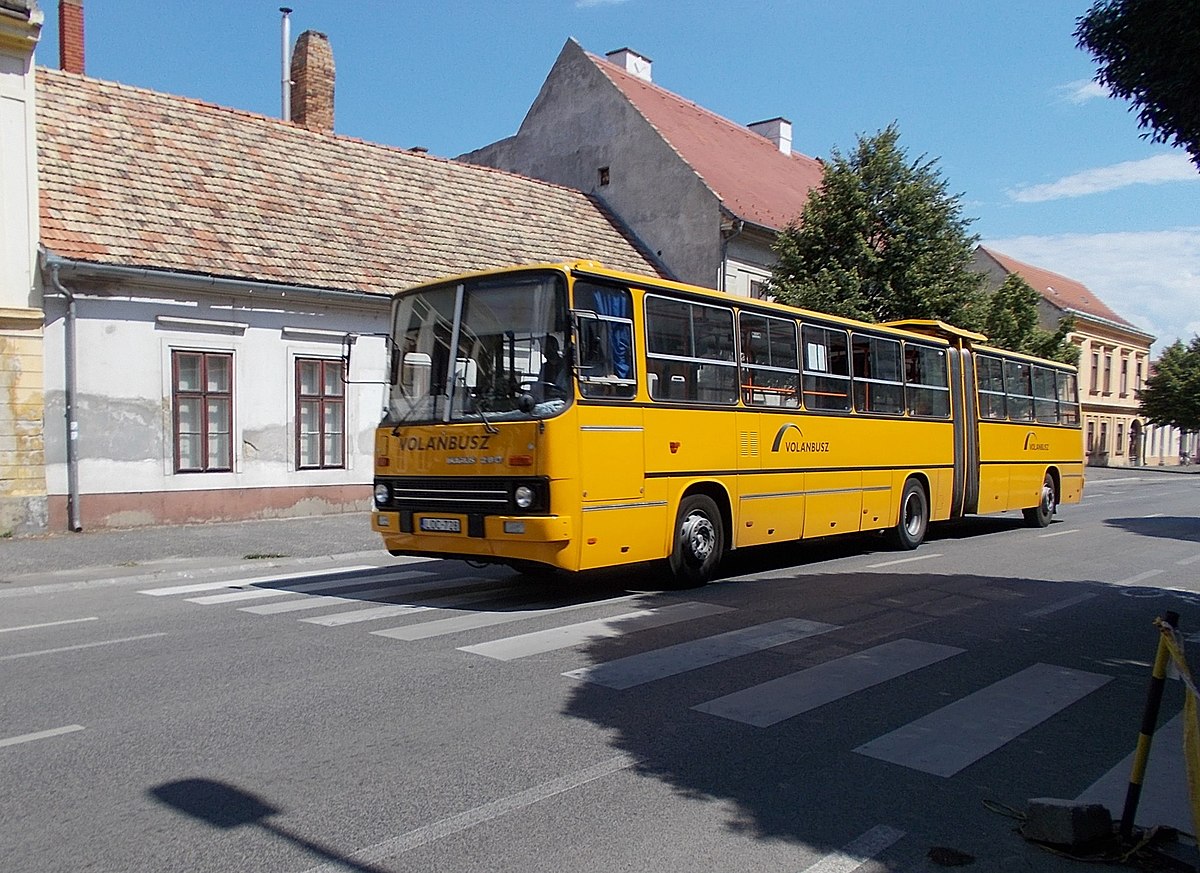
{"type": "Point", "coordinates": [22, 404]}
{"type": "Point", "coordinates": [1114, 362]}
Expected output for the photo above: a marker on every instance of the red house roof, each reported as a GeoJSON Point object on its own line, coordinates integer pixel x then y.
{"type": "Point", "coordinates": [132, 177]}
{"type": "Point", "coordinates": [751, 176]}
{"type": "Point", "coordinates": [1066, 294]}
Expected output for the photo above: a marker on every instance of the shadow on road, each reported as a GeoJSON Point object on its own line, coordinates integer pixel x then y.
{"type": "Point", "coordinates": [1165, 527]}
{"type": "Point", "coordinates": [224, 806]}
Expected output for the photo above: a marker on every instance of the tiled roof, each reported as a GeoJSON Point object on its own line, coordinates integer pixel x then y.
{"type": "Point", "coordinates": [753, 179]}
{"type": "Point", "coordinates": [1066, 294]}
{"type": "Point", "coordinates": [133, 177]}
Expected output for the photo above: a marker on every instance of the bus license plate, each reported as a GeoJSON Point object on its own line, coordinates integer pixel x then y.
{"type": "Point", "coordinates": [442, 525]}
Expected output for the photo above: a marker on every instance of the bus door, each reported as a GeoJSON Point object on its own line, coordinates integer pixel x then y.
{"type": "Point", "coordinates": [965, 410]}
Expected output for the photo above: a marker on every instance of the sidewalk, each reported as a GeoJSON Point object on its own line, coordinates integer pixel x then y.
{"type": "Point", "coordinates": [266, 544]}
{"type": "Point", "coordinates": [108, 554]}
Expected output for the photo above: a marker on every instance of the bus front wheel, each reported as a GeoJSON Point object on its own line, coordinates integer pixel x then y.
{"type": "Point", "coordinates": [1041, 515]}
{"type": "Point", "coordinates": [909, 531]}
{"type": "Point", "coordinates": [699, 542]}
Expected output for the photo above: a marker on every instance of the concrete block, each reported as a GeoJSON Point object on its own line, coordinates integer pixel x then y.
{"type": "Point", "coordinates": [1066, 822]}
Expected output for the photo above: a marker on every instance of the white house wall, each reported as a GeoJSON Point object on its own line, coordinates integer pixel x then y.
{"type": "Point", "coordinates": [125, 443]}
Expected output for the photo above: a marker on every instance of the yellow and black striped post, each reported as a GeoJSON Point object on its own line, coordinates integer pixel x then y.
{"type": "Point", "coordinates": [1158, 680]}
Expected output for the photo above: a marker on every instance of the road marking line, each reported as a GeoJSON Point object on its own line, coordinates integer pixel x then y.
{"type": "Point", "coordinates": [80, 646]}
{"type": "Point", "coordinates": [788, 696]}
{"type": "Point", "coordinates": [1186, 561]}
{"type": "Point", "coordinates": [858, 851]}
{"type": "Point", "coordinates": [684, 657]}
{"type": "Point", "coordinates": [4, 630]}
{"type": "Point", "coordinates": [442, 626]}
{"type": "Point", "coordinates": [956, 736]}
{"type": "Point", "coordinates": [244, 583]}
{"type": "Point", "coordinates": [904, 561]}
{"type": "Point", "coordinates": [1058, 533]}
{"type": "Point", "coordinates": [539, 642]}
{"type": "Point", "coordinates": [257, 593]}
{"type": "Point", "coordinates": [454, 824]}
{"type": "Point", "coordinates": [41, 735]}
{"type": "Point", "coordinates": [1062, 604]}
{"type": "Point", "coordinates": [1155, 515]}
{"type": "Point", "coordinates": [1140, 577]}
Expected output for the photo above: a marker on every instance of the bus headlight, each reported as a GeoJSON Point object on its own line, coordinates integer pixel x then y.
{"type": "Point", "coordinates": [524, 496]}
{"type": "Point", "coordinates": [383, 494]}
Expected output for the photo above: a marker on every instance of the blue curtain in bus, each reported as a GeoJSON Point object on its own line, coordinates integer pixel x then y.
{"type": "Point", "coordinates": [620, 339]}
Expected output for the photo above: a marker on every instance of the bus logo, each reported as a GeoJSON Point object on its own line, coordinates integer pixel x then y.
{"type": "Point", "coordinates": [796, 444]}
{"type": "Point", "coordinates": [1032, 445]}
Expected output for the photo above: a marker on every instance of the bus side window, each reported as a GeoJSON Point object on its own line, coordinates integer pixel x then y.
{"type": "Point", "coordinates": [826, 368]}
{"type": "Point", "coordinates": [926, 381]}
{"type": "Point", "coordinates": [603, 319]}
{"type": "Point", "coordinates": [1019, 388]}
{"type": "Point", "coordinates": [991, 387]}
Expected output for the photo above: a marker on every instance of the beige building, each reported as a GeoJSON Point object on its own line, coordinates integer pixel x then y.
{"type": "Point", "coordinates": [22, 447]}
{"type": "Point", "coordinates": [1114, 362]}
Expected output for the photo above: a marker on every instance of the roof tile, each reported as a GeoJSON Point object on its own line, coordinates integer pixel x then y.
{"type": "Point", "coordinates": [134, 177]}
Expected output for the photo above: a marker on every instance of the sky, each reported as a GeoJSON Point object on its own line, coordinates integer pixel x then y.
{"type": "Point", "coordinates": [1051, 170]}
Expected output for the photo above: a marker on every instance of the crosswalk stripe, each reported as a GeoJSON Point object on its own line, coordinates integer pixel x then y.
{"type": "Point", "coordinates": [957, 735]}
{"type": "Point", "coordinates": [440, 627]}
{"type": "Point", "coordinates": [788, 696]}
{"type": "Point", "coordinates": [682, 657]}
{"type": "Point", "coordinates": [1165, 798]}
{"type": "Point", "coordinates": [242, 583]}
{"type": "Point", "coordinates": [390, 610]}
{"type": "Point", "coordinates": [263, 593]}
{"type": "Point", "coordinates": [538, 642]}
{"type": "Point", "coordinates": [317, 601]}
{"type": "Point", "coordinates": [859, 851]}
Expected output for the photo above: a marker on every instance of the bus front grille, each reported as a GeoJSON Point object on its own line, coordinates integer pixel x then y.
{"type": "Point", "coordinates": [468, 495]}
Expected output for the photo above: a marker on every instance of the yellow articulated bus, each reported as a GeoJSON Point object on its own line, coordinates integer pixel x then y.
{"type": "Point", "coordinates": [570, 417]}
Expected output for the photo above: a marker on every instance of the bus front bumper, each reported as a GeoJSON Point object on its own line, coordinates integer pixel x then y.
{"type": "Point", "coordinates": [427, 530]}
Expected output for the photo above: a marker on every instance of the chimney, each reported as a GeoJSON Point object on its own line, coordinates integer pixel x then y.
{"type": "Point", "coordinates": [777, 130]}
{"type": "Point", "coordinates": [70, 35]}
{"type": "Point", "coordinates": [312, 82]}
{"type": "Point", "coordinates": [631, 62]}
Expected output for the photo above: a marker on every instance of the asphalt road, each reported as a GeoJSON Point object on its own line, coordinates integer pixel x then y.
{"type": "Point", "coordinates": [829, 707]}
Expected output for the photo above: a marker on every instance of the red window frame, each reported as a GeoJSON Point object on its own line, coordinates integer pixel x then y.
{"type": "Point", "coordinates": [213, 458]}
{"type": "Point", "coordinates": [324, 407]}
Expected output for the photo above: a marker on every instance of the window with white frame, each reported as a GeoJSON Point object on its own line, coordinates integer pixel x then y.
{"type": "Point", "coordinates": [202, 400]}
{"type": "Point", "coordinates": [320, 414]}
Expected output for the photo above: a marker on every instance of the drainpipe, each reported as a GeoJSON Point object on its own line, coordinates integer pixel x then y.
{"type": "Point", "coordinates": [69, 395]}
{"type": "Point", "coordinates": [738, 226]}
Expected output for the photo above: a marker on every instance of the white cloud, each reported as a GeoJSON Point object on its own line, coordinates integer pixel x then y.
{"type": "Point", "coordinates": [1081, 91]}
{"type": "Point", "coordinates": [1151, 171]}
{"type": "Point", "coordinates": [1151, 279]}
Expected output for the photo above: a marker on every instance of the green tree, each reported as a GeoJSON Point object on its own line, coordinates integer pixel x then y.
{"type": "Point", "coordinates": [1010, 320]}
{"type": "Point", "coordinates": [1171, 394]}
{"type": "Point", "coordinates": [881, 239]}
{"type": "Point", "coordinates": [1148, 53]}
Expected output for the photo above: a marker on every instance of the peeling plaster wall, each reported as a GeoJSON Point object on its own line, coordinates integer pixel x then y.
{"type": "Point", "coordinates": [125, 338]}
{"type": "Point", "coordinates": [23, 507]}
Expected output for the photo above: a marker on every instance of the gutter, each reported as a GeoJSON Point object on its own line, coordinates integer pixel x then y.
{"type": "Point", "coordinates": [202, 284]}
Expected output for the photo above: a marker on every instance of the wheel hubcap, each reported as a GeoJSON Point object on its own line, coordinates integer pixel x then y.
{"type": "Point", "coordinates": [700, 536]}
{"type": "Point", "coordinates": [912, 516]}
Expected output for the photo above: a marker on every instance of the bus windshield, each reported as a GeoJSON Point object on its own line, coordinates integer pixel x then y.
{"type": "Point", "coordinates": [481, 350]}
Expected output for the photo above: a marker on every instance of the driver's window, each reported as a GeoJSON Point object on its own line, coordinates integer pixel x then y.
{"type": "Point", "coordinates": [604, 341]}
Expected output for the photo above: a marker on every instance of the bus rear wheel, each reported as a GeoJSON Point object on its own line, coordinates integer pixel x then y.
{"type": "Point", "coordinates": [910, 530]}
{"type": "Point", "coordinates": [699, 542]}
{"type": "Point", "coordinates": [1043, 513]}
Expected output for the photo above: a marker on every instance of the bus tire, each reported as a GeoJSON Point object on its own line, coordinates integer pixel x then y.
{"type": "Point", "coordinates": [913, 523]}
{"type": "Point", "coordinates": [1041, 515]}
{"type": "Point", "coordinates": [699, 542]}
